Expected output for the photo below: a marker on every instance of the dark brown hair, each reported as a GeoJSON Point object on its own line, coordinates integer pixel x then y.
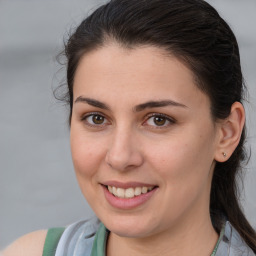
{"type": "Point", "coordinates": [193, 31]}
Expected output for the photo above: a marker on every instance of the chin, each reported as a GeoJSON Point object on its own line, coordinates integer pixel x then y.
{"type": "Point", "coordinates": [129, 232]}
{"type": "Point", "coordinates": [127, 226]}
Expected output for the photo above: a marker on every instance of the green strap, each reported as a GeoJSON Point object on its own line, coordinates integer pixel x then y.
{"type": "Point", "coordinates": [52, 240]}
{"type": "Point", "coordinates": [100, 241]}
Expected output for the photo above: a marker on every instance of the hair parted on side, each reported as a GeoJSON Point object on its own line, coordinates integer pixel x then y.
{"type": "Point", "coordinates": [192, 31]}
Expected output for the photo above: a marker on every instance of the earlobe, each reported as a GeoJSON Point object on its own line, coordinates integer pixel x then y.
{"type": "Point", "coordinates": [230, 132]}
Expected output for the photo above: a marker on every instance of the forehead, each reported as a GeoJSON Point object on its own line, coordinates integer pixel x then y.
{"type": "Point", "coordinates": [148, 72]}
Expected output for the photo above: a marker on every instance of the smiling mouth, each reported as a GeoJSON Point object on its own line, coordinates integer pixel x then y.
{"type": "Point", "coordinates": [129, 192]}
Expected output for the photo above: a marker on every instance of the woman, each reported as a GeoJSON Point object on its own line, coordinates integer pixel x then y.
{"type": "Point", "coordinates": [157, 133]}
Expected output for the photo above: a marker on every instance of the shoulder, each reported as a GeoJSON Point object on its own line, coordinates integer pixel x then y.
{"type": "Point", "coordinates": [27, 245]}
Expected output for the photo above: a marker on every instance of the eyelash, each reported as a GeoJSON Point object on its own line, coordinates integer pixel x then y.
{"type": "Point", "coordinates": [85, 117]}
{"type": "Point", "coordinates": [166, 119]}
{"type": "Point", "coordinates": [147, 118]}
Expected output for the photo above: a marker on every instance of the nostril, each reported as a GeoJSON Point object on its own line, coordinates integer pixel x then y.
{"type": "Point", "coordinates": [124, 160]}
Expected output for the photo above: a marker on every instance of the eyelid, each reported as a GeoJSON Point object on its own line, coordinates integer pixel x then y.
{"type": "Point", "coordinates": [162, 115]}
{"type": "Point", "coordinates": [171, 120]}
{"type": "Point", "coordinates": [83, 118]}
{"type": "Point", "coordinates": [91, 114]}
{"type": "Point", "coordinates": [168, 118]}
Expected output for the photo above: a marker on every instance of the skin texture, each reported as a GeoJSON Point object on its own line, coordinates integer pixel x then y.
{"type": "Point", "coordinates": [177, 157]}
{"type": "Point", "coordinates": [129, 145]}
{"type": "Point", "coordinates": [29, 245]}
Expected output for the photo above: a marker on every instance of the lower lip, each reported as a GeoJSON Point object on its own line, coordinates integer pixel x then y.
{"type": "Point", "coordinates": [127, 203]}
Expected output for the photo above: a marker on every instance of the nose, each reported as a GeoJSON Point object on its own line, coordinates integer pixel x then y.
{"type": "Point", "coordinates": [124, 152]}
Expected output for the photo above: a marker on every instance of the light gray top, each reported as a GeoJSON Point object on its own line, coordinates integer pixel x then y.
{"type": "Point", "coordinates": [88, 238]}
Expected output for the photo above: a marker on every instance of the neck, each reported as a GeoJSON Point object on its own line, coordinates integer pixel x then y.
{"type": "Point", "coordinates": [189, 238]}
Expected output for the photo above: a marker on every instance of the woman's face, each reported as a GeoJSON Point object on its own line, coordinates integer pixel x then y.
{"type": "Point", "coordinates": [142, 130]}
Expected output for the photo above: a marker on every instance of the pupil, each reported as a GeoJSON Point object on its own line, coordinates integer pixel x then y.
{"type": "Point", "coordinates": [159, 121]}
{"type": "Point", "coordinates": [98, 119]}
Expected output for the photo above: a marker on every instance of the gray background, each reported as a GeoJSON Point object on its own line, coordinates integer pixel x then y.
{"type": "Point", "coordinates": [37, 184]}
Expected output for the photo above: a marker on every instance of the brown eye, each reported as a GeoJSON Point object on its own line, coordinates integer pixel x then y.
{"type": "Point", "coordinates": [159, 121]}
{"type": "Point", "coordinates": [97, 119]}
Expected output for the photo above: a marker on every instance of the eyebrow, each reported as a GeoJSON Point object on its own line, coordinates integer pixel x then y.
{"type": "Point", "coordinates": [158, 104]}
{"type": "Point", "coordinates": [92, 102]}
{"type": "Point", "coordinates": [138, 108]}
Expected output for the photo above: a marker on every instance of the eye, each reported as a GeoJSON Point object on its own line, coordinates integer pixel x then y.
{"type": "Point", "coordinates": [158, 120]}
{"type": "Point", "coordinates": [95, 119]}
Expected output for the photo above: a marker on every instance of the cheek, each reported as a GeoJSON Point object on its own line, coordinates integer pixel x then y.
{"type": "Point", "coordinates": [87, 153]}
{"type": "Point", "coordinates": [184, 160]}
{"type": "Point", "coordinates": [183, 167]}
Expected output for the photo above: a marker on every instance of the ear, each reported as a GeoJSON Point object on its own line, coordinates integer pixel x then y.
{"type": "Point", "coordinates": [230, 130]}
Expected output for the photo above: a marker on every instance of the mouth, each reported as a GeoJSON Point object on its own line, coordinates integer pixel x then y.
{"type": "Point", "coordinates": [129, 195]}
{"type": "Point", "coordinates": [129, 192]}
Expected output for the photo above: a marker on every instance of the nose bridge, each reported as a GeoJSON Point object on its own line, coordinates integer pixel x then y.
{"type": "Point", "coordinates": [124, 152]}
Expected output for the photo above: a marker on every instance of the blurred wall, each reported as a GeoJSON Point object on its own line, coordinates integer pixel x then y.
{"type": "Point", "coordinates": [37, 184]}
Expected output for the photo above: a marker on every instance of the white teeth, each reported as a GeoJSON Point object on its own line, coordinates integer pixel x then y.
{"type": "Point", "coordinates": [110, 189]}
{"type": "Point", "coordinates": [144, 190]}
{"type": "Point", "coordinates": [129, 192]}
{"type": "Point", "coordinates": [114, 191]}
{"type": "Point", "coordinates": [120, 192]}
{"type": "Point", "coordinates": [137, 191]}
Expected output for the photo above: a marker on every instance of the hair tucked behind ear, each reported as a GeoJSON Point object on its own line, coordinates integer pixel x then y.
{"type": "Point", "coordinates": [194, 32]}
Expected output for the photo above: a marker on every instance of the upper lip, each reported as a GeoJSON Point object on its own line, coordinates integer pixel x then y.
{"type": "Point", "coordinates": [124, 185]}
